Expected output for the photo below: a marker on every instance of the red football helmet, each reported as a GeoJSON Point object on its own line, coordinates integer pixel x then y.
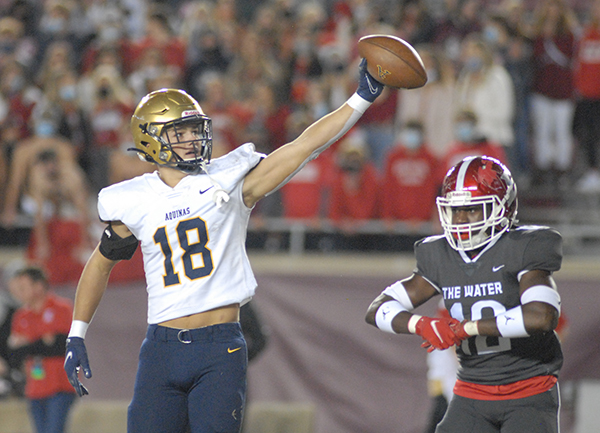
{"type": "Point", "coordinates": [478, 181]}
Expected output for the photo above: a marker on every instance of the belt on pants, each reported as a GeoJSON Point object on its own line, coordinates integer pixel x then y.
{"type": "Point", "coordinates": [186, 336]}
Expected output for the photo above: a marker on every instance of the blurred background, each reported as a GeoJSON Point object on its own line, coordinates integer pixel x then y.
{"type": "Point", "coordinates": [515, 79]}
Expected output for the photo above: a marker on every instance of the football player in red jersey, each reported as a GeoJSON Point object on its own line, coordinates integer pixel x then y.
{"type": "Point", "coordinates": [496, 281]}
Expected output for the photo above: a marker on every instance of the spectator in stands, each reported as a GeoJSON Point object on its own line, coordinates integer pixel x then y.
{"type": "Point", "coordinates": [415, 24]}
{"type": "Point", "coordinates": [73, 123]}
{"type": "Point", "coordinates": [14, 45]}
{"type": "Point", "coordinates": [552, 99]}
{"type": "Point", "coordinates": [458, 20]}
{"type": "Point", "coordinates": [252, 64]}
{"type": "Point", "coordinates": [160, 35]}
{"type": "Point", "coordinates": [209, 57]}
{"type": "Point", "coordinates": [48, 188]}
{"type": "Point", "coordinates": [149, 67]}
{"type": "Point", "coordinates": [18, 97]}
{"type": "Point", "coordinates": [58, 24]}
{"type": "Point", "coordinates": [355, 184]}
{"type": "Point", "coordinates": [410, 179]}
{"type": "Point", "coordinates": [431, 105]}
{"type": "Point", "coordinates": [113, 39]}
{"type": "Point", "coordinates": [514, 48]}
{"type": "Point", "coordinates": [38, 333]}
{"type": "Point", "coordinates": [306, 195]}
{"type": "Point", "coordinates": [8, 306]}
{"type": "Point", "coordinates": [469, 141]}
{"type": "Point", "coordinates": [112, 102]}
{"type": "Point", "coordinates": [485, 87]}
{"type": "Point", "coordinates": [59, 58]}
{"type": "Point", "coordinates": [587, 110]}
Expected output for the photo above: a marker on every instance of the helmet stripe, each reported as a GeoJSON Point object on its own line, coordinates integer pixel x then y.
{"type": "Point", "coordinates": [462, 172]}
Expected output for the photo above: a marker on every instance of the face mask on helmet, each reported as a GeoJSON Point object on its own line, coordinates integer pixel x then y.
{"type": "Point", "coordinates": [170, 129]}
{"type": "Point", "coordinates": [484, 186]}
{"type": "Point", "coordinates": [188, 141]}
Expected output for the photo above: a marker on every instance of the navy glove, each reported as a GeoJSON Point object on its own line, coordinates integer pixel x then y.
{"type": "Point", "coordinates": [76, 358]}
{"type": "Point", "coordinates": [368, 87]}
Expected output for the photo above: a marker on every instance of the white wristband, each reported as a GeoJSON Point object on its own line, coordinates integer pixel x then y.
{"type": "Point", "coordinates": [511, 324]}
{"type": "Point", "coordinates": [358, 103]}
{"type": "Point", "coordinates": [471, 328]}
{"type": "Point", "coordinates": [78, 328]}
{"type": "Point", "coordinates": [385, 315]}
{"type": "Point", "coordinates": [412, 323]}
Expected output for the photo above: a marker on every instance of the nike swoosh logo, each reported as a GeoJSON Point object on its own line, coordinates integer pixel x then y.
{"type": "Point", "coordinates": [69, 356]}
{"type": "Point", "coordinates": [434, 327]}
{"type": "Point", "coordinates": [372, 89]}
{"type": "Point", "coordinates": [202, 191]}
{"type": "Point", "coordinates": [497, 268]}
{"type": "Point", "coordinates": [229, 350]}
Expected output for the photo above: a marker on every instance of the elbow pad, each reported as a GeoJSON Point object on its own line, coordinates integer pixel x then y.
{"type": "Point", "coordinates": [114, 247]}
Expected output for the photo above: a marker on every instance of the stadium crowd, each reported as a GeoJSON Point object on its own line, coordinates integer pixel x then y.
{"type": "Point", "coordinates": [514, 79]}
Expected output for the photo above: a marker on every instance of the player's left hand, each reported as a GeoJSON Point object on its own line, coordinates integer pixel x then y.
{"type": "Point", "coordinates": [368, 87]}
{"type": "Point", "coordinates": [76, 358]}
{"type": "Point", "coordinates": [437, 333]}
{"type": "Point", "coordinates": [463, 332]}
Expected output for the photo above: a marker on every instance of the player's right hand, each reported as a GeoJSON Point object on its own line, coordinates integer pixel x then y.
{"type": "Point", "coordinates": [368, 87]}
{"type": "Point", "coordinates": [437, 333]}
{"type": "Point", "coordinates": [76, 358]}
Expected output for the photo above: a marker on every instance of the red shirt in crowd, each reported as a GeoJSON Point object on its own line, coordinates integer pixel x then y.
{"type": "Point", "coordinates": [354, 198]}
{"type": "Point", "coordinates": [587, 65]}
{"type": "Point", "coordinates": [410, 184]}
{"type": "Point", "coordinates": [553, 74]}
{"type": "Point", "coordinates": [305, 194]}
{"type": "Point", "coordinates": [45, 376]}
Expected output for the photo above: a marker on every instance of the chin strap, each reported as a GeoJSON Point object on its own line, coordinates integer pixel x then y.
{"type": "Point", "coordinates": [219, 195]}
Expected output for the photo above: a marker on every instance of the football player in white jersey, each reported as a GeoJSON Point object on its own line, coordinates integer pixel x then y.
{"type": "Point", "coordinates": [190, 217]}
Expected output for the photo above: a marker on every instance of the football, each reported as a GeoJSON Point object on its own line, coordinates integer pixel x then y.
{"type": "Point", "coordinates": [392, 61]}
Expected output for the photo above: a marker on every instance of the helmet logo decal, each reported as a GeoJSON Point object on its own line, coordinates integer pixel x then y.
{"type": "Point", "coordinates": [190, 113]}
{"type": "Point", "coordinates": [487, 175]}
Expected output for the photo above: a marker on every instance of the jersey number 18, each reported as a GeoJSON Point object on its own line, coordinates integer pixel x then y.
{"type": "Point", "coordinates": [171, 277]}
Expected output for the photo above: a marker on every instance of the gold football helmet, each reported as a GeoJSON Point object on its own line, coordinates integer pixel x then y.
{"type": "Point", "coordinates": [161, 110]}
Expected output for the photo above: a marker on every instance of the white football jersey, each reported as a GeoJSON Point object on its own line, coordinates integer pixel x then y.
{"type": "Point", "coordinates": [194, 252]}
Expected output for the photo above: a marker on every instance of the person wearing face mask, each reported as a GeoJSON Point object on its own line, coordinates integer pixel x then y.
{"type": "Point", "coordinates": [354, 189]}
{"type": "Point", "coordinates": [485, 87]}
{"type": "Point", "coordinates": [410, 182]}
{"type": "Point", "coordinates": [73, 122]}
{"type": "Point", "coordinates": [469, 140]}
{"type": "Point", "coordinates": [47, 187]}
